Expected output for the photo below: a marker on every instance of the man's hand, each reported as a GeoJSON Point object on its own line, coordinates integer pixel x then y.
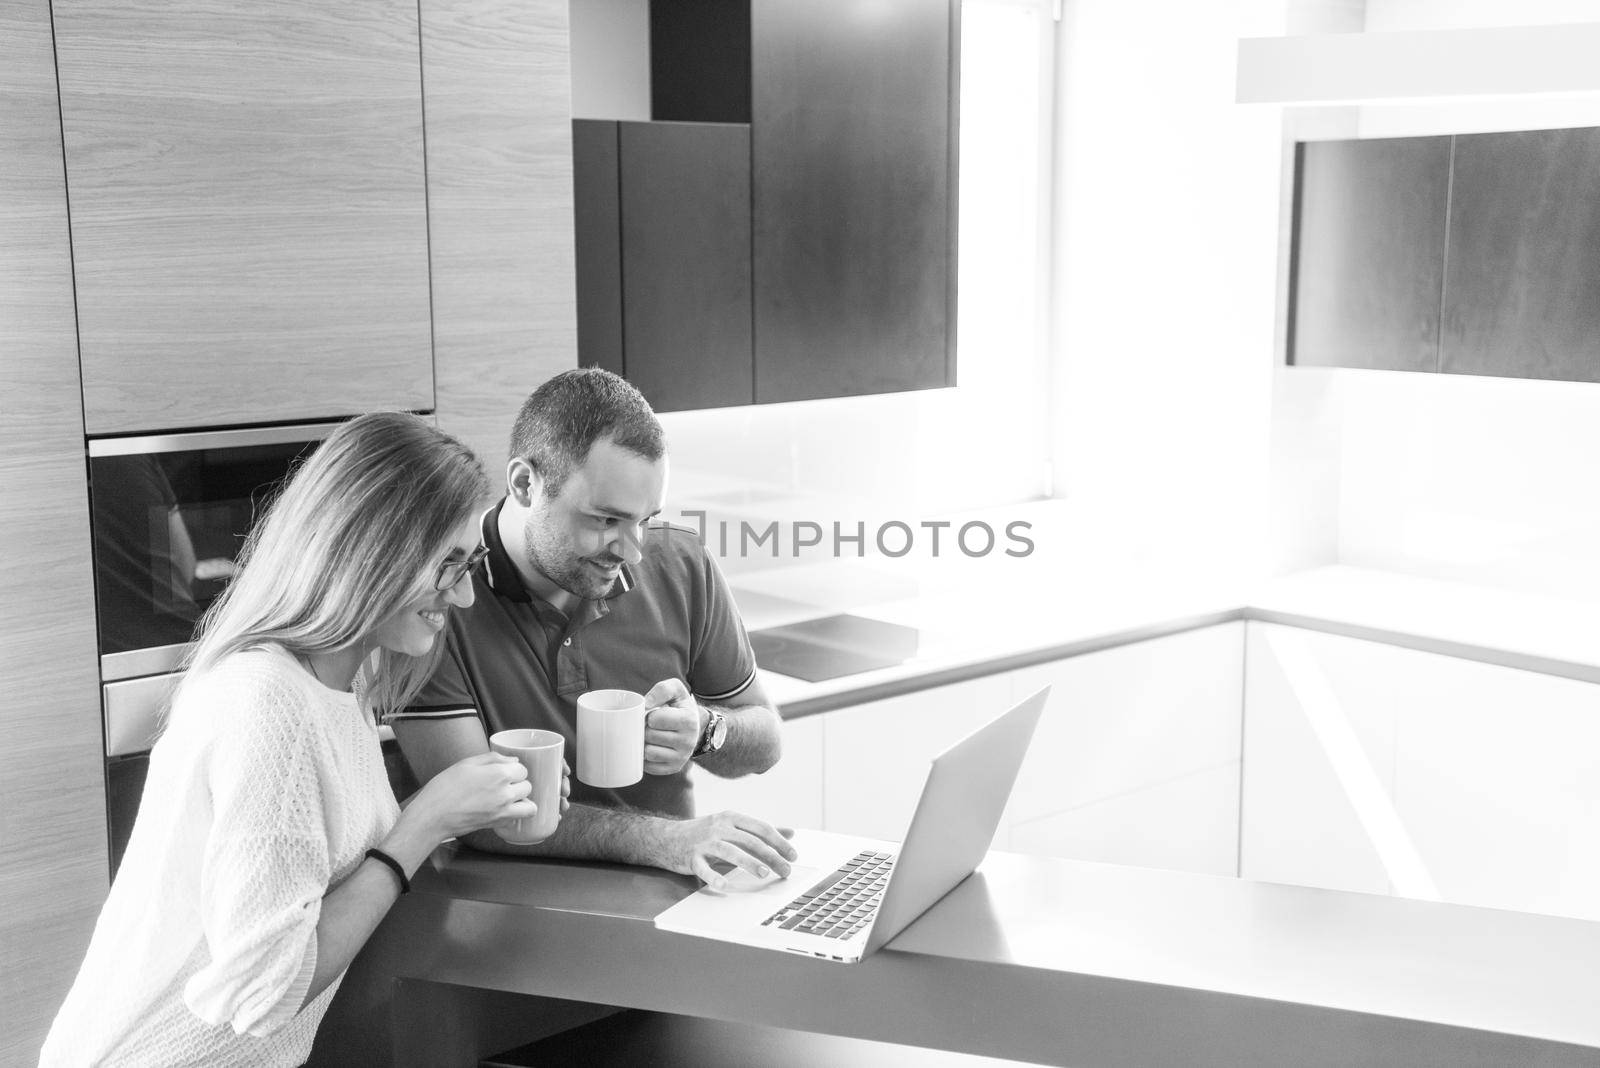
{"type": "Point", "coordinates": [673, 723]}
{"type": "Point", "coordinates": [731, 839]}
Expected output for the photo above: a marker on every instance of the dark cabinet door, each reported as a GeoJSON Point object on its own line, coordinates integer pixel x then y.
{"type": "Point", "coordinates": [700, 60]}
{"type": "Point", "coordinates": [596, 195]}
{"type": "Point", "coordinates": [1369, 253]}
{"type": "Point", "coordinates": [1522, 285]}
{"type": "Point", "coordinates": [125, 778]}
{"type": "Point", "coordinates": [853, 154]}
{"type": "Point", "coordinates": [686, 263]}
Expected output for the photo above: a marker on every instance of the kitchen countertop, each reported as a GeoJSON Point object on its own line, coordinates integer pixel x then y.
{"type": "Point", "coordinates": [1039, 959]}
{"type": "Point", "coordinates": [1078, 591]}
{"type": "Point", "coordinates": [1534, 632]}
{"type": "Point", "coordinates": [982, 617]}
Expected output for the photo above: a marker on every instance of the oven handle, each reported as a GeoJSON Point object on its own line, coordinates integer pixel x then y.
{"type": "Point", "coordinates": [151, 660]}
{"type": "Point", "coordinates": [133, 710]}
{"type": "Point", "coordinates": [210, 439]}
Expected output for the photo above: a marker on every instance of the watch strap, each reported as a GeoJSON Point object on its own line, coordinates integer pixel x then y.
{"type": "Point", "coordinates": [713, 718]}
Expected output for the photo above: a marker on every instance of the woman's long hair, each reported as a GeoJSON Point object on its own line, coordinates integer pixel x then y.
{"type": "Point", "coordinates": [356, 533]}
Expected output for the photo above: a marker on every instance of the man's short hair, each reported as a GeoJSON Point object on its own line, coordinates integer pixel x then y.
{"type": "Point", "coordinates": [562, 419]}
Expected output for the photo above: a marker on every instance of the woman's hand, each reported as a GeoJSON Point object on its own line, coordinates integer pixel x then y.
{"type": "Point", "coordinates": [473, 793]}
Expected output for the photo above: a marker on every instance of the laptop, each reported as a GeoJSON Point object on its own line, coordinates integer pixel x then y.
{"type": "Point", "coordinates": [847, 896]}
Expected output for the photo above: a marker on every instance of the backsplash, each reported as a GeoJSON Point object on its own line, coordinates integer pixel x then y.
{"type": "Point", "coordinates": [853, 461]}
{"type": "Point", "coordinates": [1481, 480]}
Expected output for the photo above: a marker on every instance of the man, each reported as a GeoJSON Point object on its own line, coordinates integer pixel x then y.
{"type": "Point", "coordinates": [582, 591]}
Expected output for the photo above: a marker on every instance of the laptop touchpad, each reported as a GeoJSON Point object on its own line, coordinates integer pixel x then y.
{"type": "Point", "coordinates": [739, 881]}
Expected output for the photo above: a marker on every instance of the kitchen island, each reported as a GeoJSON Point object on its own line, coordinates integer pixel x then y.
{"type": "Point", "coordinates": [1032, 958]}
{"type": "Point", "coordinates": [1035, 958]}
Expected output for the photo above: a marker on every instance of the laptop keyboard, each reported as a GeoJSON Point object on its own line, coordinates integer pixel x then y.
{"type": "Point", "coordinates": [843, 902]}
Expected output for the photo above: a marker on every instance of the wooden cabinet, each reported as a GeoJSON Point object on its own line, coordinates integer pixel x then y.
{"type": "Point", "coordinates": [52, 791]}
{"type": "Point", "coordinates": [685, 224]}
{"type": "Point", "coordinates": [597, 212]}
{"type": "Point", "coordinates": [1137, 758]}
{"type": "Point", "coordinates": [497, 78]}
{"type": "Point", "coordinates": [663, 234]}
{"type": "Point", "coordinates": [249, 218]}
{"type": "Point", "coordinates": [876, 755]}
{"type": "Point", "coordinates": [1369, 253]}
{"type": "Point", "coordinates": [1298, 823]}
{"type": "Point", "coordinates": [1487, 778]}
{"type": "Point", "coordinates": [1474, 254]}
{"type": "Point", "coordinates": [1497, 777]}
{"type": "Point", "coordinates": [1524, 256]}
{"type": "Point", "coordinates": [810, 253]}
{"type": "Point", "coordinates": [687, 263]}
{"type": "Point", "coordinates": [1272, 752]}
{"type": "Point", "coordinates": [853, 150]}
{"type": "Point", "coordinates": [700, 61]}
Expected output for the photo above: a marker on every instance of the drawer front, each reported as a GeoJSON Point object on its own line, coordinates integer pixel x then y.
{"type": "Point", "coordinates": [132, 711]}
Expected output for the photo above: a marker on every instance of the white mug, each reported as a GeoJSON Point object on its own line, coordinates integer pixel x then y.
{"type": "Point", "coordinates": [611, 738]}
{"type": "Point", "coordinates": [540, 753]}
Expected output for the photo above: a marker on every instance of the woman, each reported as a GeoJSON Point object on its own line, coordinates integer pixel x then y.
{"type": "Point", "coordinates": [268, 844]}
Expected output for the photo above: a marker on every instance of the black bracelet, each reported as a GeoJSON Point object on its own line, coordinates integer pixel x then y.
{"type": "Point", "coordinates": [394, 866]}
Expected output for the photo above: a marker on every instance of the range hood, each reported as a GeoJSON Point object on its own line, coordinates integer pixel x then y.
{"type": "Point", "coordinates": [1422, 66]}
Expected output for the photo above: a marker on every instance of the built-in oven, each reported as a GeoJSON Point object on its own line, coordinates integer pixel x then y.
{"type": "Point", "coordinates": [169, 514]}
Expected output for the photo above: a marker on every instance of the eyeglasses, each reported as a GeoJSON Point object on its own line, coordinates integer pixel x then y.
{"type": "Point", "coordinates": [453, 571]}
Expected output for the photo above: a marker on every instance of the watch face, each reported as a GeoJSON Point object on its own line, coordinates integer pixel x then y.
{"type": "Point", "coordinates": [719, 732]}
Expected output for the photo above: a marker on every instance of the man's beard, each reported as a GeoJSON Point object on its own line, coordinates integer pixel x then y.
{"type": "Point", "coordinates": [572, 573]}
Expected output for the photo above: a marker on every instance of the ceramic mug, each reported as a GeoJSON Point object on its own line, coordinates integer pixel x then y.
{"type": "Point", "coordinates": [611, 738]}
{"type": "Point", "coordinates": [540, 752]}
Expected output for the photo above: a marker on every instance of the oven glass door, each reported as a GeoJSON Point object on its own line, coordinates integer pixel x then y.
{"type": "Point", "coordinates": [169, 515]}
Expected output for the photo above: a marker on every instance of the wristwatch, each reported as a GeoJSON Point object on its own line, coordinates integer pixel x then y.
{"type": "Point", "coordinates": [716, 733]}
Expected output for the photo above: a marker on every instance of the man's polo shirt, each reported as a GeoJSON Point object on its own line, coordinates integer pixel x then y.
{"type": "Point", "coordinates": [515, 661]}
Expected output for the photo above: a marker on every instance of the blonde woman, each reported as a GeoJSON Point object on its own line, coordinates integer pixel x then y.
{"type": "Point", "coordinates": [268, 844]}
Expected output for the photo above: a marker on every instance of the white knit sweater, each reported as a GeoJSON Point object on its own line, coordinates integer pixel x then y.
{"type": "Point", "coordinates": [266, 789]}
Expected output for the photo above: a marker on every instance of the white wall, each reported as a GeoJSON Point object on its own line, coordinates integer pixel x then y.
{"type": "Point", "coordinates": [1167, 209]}
{"type": "Point", "coordinates": [611, 59]}
{"type": "Point", "coordinates": [1477, 479]}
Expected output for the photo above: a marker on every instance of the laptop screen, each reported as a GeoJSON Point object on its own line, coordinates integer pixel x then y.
{"type": "Point", "coordinates": [956, 817]}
